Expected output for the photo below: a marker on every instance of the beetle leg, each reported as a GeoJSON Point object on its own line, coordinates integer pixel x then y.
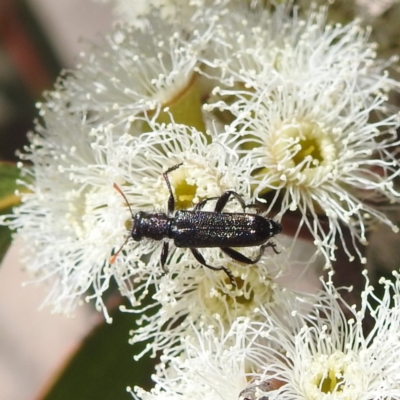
{"type": "Point", "coordinates": [273, 245]}
{"type": "Point", "coordinates": [197, 255]}
{"type": "Point", "coordinates": [246, 260]}
{"type": "Point", "coordinates": [164, 255]}
{"type": "Point", "coordinates": [171, 199]}
{"type": "Point", "coordinates": [199, 206]}
{"type": "Point", "coordinates": [256, 206]}
{"type": "Point", "coordinates": [224, 198]}
{"type": "Point", "coordinates": [221, 203]}
{"type": "Point", "coordinates": [234, 254]}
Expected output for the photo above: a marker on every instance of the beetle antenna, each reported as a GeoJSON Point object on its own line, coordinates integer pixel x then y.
{"type": "Point", "coordinates": [114, 257]}
{"type": "Point", "coordinates": [118, 189]}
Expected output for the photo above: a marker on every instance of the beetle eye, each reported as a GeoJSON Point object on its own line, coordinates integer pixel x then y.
{"type": "Point", "coordinates": [275, 227]}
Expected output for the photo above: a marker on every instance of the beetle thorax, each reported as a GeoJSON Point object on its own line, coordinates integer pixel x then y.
{"type": "Point", "coordinates": [150, 225]}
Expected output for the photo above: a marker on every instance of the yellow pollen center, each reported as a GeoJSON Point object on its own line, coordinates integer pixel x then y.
{"type": "Point", "coordinates": [304, 151]}
{"type": "Point", "coordinates": [309, 147]}
{"type": "Point", "coordinates": [307, 140]}
{"type": "Point", "coordinates": [240, 286]}
{"type": "Point", "coordinates": [230, 303]}
{"type": "Point", "coordinates": [337, 376]}
{"type": "Point", "coordinates": [331, 382]}
{"type": "Point", "coordinates": [184, 195]}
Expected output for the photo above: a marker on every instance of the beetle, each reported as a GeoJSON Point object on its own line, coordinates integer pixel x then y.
{"type": "Point", "coordinates": [196, 228]}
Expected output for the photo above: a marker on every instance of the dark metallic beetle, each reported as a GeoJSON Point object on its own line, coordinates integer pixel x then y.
{"type": "Point", "coordinates": [196, 229]}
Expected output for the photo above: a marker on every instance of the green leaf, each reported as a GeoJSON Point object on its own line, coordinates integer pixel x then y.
{"type": "Point", "coordinates": [103, 366]}
{"type": "Point", "coordinates": [9, 173]}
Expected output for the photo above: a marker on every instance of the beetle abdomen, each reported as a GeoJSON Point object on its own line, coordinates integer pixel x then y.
{"type": "Point", "coordinates": [214, 229]}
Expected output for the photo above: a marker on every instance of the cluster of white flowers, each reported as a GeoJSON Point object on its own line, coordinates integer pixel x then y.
{"type": "Point", "coordinates": [258, 98]}
{"type": "Point", "coordinates": [319, 354]}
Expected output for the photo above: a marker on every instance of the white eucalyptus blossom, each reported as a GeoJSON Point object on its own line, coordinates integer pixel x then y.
{"type": "Point", "coordinates": [333, 357]}
{"type": "Point", "coordinates": [321, 355]}
{"type": "Point", "coordinates": [133, 72]}
{"type": "Point", "coordinates": [194, 299]}
{"type": "Point", "coordinates": [310, 120]}
{"type": "Point", "coordinates": [72, 219]}
{"type": "Point", "coordinates": [212, 365]}
{"type": "Point", "coordinates": [248, 49]}
{"type": "Point", "coordinates": [67, 225]}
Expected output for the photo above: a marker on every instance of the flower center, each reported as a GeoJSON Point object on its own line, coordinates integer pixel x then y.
{"type": "Point", "coordinates": [190, 183]}
{"type": "Point", "coordinates": [308, 147]}
{"type": "Point", "coordinates": [239, 302]}
{"type": "Point", "coordinates": [332, 382]}
{"type": "Point", "coordinates": [335, 376]}
{"type": "Point", "coordinates": [83, 210]}
{"type": "Point", "coordinates": [304, 152]}
{"type": "Point", "coordinates": [246, 297]}
{"type": "Point", "coordinates": [184, 192]}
